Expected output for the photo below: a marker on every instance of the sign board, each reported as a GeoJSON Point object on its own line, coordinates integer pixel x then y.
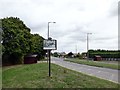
{"type": "Point", "coordinates": [50, 44]}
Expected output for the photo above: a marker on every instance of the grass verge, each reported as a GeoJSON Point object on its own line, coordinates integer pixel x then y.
{"type": "Point", "coordinates": [94, 63]}
{"type": "Point", "coordinates": [36, 76]}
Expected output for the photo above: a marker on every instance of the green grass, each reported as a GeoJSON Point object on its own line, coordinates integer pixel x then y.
{"type": "Point", "coordinates": [36, 76]}
{"type": "Point", "coordinates": [94, 63]}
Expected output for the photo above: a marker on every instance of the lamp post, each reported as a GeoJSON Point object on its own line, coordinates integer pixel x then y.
{"type": "Point", "coordinates": [48, 27]}
{"type": "Point", "coordinates": [49, 50]}
{"type": "Point", "coordinates": [88, 45]}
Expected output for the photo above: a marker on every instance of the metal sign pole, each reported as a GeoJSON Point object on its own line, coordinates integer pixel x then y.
{"type": "Point", "coordinates": [47, 55]}
{"type": "Point", "coordinates": [49, 63]}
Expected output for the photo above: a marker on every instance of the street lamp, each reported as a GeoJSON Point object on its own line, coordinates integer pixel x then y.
{"type": "Point", "coordinates": [48, 27]}
{"type": "Point", "coordinates": [49, 50]}
{"type": "Point", "coordinates": [88, 44]}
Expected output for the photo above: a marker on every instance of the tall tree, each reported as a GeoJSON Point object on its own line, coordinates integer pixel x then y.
{"type": "Point", "coordinates": [36, 45]}
{"type": "Point", "coordinates": [16, 37]}
{"type": "Point", "coordinates": [17, 41]}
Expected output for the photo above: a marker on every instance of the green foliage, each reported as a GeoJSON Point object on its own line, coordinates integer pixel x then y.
{"type": "Point", "coordinates": [78, 56]}
{"type": "Point", "coordinates": [15, 35]}
{"type": "Point", "coordinates": [70, 54]}
{"type": "Point", "coordinates": [105, 53]}
{"type": "Point", "coordinates": [55, 54]}
{"type": "Point", "coordinates": [36, 45]}
{"type": "Point", "coordinates": [17, 41]}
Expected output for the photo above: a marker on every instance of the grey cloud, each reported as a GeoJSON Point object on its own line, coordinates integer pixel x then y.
{"type": "Point", "coordinates": [39, 27]}
{"type": "Point", "coordinates": [78, 36]}
{"type": "Point", "coordinates": [79, 33]}
{"type": "Point", "coordinates": [114, 12]}
{"type": "Point", "coordinates": [105, 38]}
{"type": "Point", "coordinates": [114, 9]}
{"type": "Point", "coordinates": [57, 34]}
{"type": "Point", "coordinates": [74, 33]}
{"type": "Point", "coordinates": [70, 15]}
{"type": "Point", "coordinates": [77, 5]}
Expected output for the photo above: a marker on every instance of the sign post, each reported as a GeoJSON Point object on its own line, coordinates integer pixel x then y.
{"type": "Point", "coordinates": [49, 45]}
{"type": "Point", "coordinates": [49, 63]}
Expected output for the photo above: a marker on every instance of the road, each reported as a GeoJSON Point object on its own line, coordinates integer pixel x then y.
{"type": "Point", "coordinates": [104, 73]}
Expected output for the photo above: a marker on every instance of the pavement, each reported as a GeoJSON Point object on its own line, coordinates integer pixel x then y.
{"type": "Point", "coordinates": [104, 73]}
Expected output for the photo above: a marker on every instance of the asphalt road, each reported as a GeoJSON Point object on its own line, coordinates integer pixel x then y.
{"type": "Point", "coordinates": [104, 73]}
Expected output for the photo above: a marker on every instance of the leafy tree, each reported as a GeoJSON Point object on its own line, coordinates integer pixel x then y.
{"type": "Point", "coordinates": [55, 54]}
{"type": "Point", "coordinates": [17, 41]}
{"type": "Point", "coordinates": [79, 56]}
{"type": "Point", "coordinates": [36, 45]}
{"type": "Point", "coordinates": [16, 37]}
{"type": "Point", "coordinates": [70, 54]}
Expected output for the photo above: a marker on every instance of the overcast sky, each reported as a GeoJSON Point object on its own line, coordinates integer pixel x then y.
{"type": "Point", "coordinates": [74, 18]}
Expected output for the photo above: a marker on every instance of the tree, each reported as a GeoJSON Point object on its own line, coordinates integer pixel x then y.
{"type": "Point", "coordinates": [16, 37]}
{"type": "Point", "coordinates": [79, 56]}
{"type": "Point", "coordinates": [70, 54]}
{"type": "Point", "coordinates": [55, 54]}
{"type": "Point", "coordinates": [36, 45]}
{"type": "Point", "coordinates": [17, 41]}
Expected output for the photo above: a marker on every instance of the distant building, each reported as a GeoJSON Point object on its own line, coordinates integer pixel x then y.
{"type": "Point", "coordinates": [63, 54]}
{"type": "Point", "coordinates": [97, 58]}
{"type": "Point", "coordinates": [84, 55]}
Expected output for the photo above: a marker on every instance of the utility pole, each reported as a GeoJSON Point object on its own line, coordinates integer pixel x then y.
{"type": "Point", "coordinates": [76, 49]}
{"type": "Point", "coordinates": [88, 45]}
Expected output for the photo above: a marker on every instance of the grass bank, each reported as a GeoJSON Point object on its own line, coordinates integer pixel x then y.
{"type": "Point", "coordinates": [94, 63]}
{"type": "Point", "coordinates": [36, 76]}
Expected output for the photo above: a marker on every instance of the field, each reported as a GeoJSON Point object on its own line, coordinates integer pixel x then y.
{"type": "Point", "coordinates": [36, 76]}
{"type": "Point", "coordinates": [95, 63]}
